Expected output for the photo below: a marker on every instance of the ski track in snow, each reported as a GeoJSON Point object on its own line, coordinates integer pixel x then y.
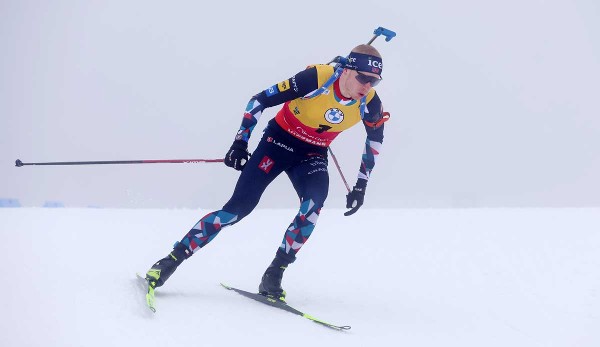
{"type": "Point", "coordinates": [447, 277]}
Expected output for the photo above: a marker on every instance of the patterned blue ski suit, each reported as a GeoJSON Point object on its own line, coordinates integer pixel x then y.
{"type": "Point", "coordinates": [294, 142]}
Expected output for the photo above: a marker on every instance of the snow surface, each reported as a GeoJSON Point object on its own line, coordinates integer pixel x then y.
{"type": "Point", "coordinates": [456, 277]}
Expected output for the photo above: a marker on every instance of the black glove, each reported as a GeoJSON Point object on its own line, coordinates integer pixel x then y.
{"type": "Point", "coordinates": [238, 154]}
{"type": "Point", "coordinates": [356, 197]}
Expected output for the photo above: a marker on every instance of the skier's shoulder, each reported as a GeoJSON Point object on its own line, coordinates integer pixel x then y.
{"type": "Point", "coordinates": [324, 72]}
{"type": "Point", "coordinates": [322, 68]}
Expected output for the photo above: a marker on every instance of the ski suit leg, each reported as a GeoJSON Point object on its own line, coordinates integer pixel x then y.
{"type": "Point", "coordinates": [264, 166]}
{"type": "Point", "coordinates": [311, 181]}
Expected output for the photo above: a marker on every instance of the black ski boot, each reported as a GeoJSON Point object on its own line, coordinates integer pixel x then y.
{"type": "Point", "coordinates": [271, 281]}
{"type": "Point", "coordinates": [160, 272]}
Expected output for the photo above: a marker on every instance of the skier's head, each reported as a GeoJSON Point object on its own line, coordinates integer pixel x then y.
{"type": "Point", "coordinates": [362, 72]}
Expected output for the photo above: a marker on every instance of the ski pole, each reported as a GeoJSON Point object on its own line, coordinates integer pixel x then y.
{"type": "Point", "coordinates": [19, 163]}
{"type": "Point", "coordinates": [339, 169]}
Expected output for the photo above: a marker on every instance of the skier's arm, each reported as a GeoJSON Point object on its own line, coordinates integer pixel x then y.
{"type": "Point", "coordinates": [373, 122]}
{"type": "Point", "coordinates": [295, 87]}
{"type": "Point", "coordinates": [374, 141]}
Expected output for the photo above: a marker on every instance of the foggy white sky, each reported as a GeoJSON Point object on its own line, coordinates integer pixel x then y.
{"type": "Point", "coordinates": [492, 103]}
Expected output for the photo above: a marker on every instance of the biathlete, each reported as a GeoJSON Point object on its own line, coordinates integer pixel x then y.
{"type": "Point", "coordinates": [318, 104]}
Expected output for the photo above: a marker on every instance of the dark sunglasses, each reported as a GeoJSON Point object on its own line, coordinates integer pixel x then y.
{"type": "Point", "coordinates": [364, 79]}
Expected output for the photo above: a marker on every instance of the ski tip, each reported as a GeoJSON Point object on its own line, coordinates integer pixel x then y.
{"type": "Point", "coordinates": [226, 286]}
{"type": "Point", "coordinates": [335, 327]}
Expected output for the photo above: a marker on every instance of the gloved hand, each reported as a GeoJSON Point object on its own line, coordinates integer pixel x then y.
{"type": "Point", "coordinates": [238, 154]}
{"type": "Point", "coordinates": [356, 197]}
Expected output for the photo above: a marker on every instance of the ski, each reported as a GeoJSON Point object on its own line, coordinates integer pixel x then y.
{"type": "Point", "coordinates": [284, 306]}
{"type": "Point", "coordinates": [149, 292]}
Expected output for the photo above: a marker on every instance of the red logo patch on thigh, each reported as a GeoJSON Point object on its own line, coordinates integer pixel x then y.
{"type": "Point", "coordinates": [266, 164]}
